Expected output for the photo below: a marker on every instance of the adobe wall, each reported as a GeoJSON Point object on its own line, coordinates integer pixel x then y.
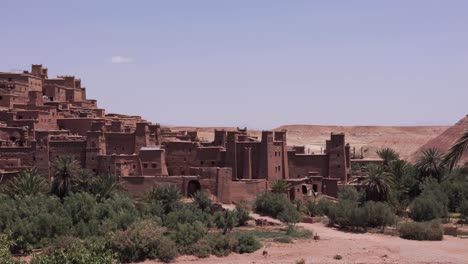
{"type": "Point", "coordinates": [153, 160]}
{"type": "Point", "coordinates": [180, 156]}
{"type": "Point", "coordinates": [120, 143]}
{"type": "Point", "coordinates": [301, 164]}
{"type": "Point", "coordinates": [78, 126]}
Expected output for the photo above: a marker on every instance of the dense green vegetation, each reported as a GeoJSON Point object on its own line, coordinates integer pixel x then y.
{"type": "Point", "coordinates": [82, 218]}
{"type": "Point", "coordinates": [427, 192]}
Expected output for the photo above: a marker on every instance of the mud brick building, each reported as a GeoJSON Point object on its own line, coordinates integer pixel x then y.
{"type": "Point", "coordinates": [42, 119]}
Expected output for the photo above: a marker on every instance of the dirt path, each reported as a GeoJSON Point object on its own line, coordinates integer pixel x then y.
{"type": "Point", "coordinates": [354, 248]}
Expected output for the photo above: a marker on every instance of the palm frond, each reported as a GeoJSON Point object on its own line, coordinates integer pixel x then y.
{"type": "Point", "coordinates": [456, 151]}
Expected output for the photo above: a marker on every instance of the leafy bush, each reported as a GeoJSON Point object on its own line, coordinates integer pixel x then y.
{"type": "Point", "coordinates": [167, 250]}
{"type": "Point", "coordinates": [298, 232]}
{"type": "Point", "coordinates": [324, 207]}
{"type": "Point", "coordinates": [202, 201]}
{"type": "Point", "coordinates": [77, 253]}
{"type": "Point", "coordinates": [116, 213]}
{"type": "Point", "coordinates": [246, 243]}
{"type": "Point", "coordinates": [349, 193]}
{"type": "Point", "coordinates": [140, 241]}
{"type": "Point", "coordinates": [463, 209]}
{"type": "Point", "coordinates": [283, 239]}
{"type": "Point", "coordinates": [312, 208]}
{"type": "Point", "coordinates": [289, 215]}
{"type": "Point", "coordinates": [202, 249]}
{"type": "Point", "coordinates": [220, 244]}
{"type": "Point", "coordinates": [378, 214]}
{"type": "Point", "coordinates": [226, 220]}
{"type": "Point", "coordinates": [31, 218]}
{"type": "Point", "coordinates": [5, 254]}
{"type": "Point", "coordinates": [348, 214]}
{"type": "Point", "coordinates": [422, 230]}
{"type": "Point", "coordinates": [276, 205]}
{"type": "Point", "coordinates": [168, 196]}
{"type": "Point", "coordinates": [242, 215]}
{"type": "Point", "coordinates": [426, 207]}
{"type": "Point", "coordinates": [187, 213]}
{"type": "Point", "coordinates": [187, 234]}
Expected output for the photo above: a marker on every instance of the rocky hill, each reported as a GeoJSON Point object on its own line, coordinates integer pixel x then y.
{"type": "Point", "coordinates": [446, 139]}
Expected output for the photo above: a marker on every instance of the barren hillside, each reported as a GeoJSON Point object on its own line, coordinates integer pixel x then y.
{"type": "Point", "coordinates": [446, 139]}
{"type": "Point", "coordinates": [405, 140]}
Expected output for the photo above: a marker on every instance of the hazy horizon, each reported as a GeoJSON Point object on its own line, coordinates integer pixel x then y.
{"type": "Point", "coordinates": [260, 64]}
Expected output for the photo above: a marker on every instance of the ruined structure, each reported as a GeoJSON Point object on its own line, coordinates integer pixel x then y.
{"type": "Point", "coordinates": [42, 119]}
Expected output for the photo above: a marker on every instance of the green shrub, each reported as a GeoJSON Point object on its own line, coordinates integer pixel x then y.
{"type": "Point", "coordinates": [298, 232]}
{"type": "Point", "coordinates": [274, 205]}
{"type": "Point", "coordinates": [312, 208]}
{"type": "Point", "coordinates": [422, 230]}
{"type": "Point", "coordinates": [378, 214]}
{"type": "Point", "coordinates": [167, 249]}
{"type": "Point", "coordinates": [77, 253]}
{"type": "Point", "coordinates": [168, 196]}
{"type": "Point", "coordinates": [426, 207]}
{"type": "Point", "coordinates": [226, 220]}
{"type": "Point", "coordinates": [31, 218]}
{"type": "Point", "coordinates": [186, 234]}
{"type": "Point", "coordinates": [283, 239]}
{"type": "Point", "coordinates": [5, 254]}
{"type": "Point", "coordinates": [463, 209]}
{"type": "Point", "coordinates": [116, 213]}
{"type": "Point", "coordinates": [202, 201]}
{"type": "Point", "coordinates": [246, 243]}
{"type": "Point", "coordinates": [201, 249]}
{"type": "Point", "coordinates": [324, 207]}
{"type": "Point", "coordinates": [188, 213]}
{"type": "Point", "coordinates": [348, 214]}
{"type": "Point", "coordinates": [139, 242]}
{"type": "Point", "coordinates": [289, 215]}
{"type": "Point", "coordinates": [220, 244]}
{"type": "Point", "coordinates": [350, 193]}
{"type": "Point", "coordinates": [242, 215]}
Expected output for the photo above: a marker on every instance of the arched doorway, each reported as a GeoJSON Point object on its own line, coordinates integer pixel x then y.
{"type": "Point", "coordinates": [192, 187]}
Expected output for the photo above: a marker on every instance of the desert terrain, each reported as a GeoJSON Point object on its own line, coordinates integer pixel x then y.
{"type": "Point", "coordinates": [354, 248]}
{"type": "Point", "coordinates": [404, 139]}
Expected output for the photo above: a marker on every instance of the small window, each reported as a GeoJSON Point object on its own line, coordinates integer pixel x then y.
{"type": "Point", "coordinates": [154, 165]}
{"type": "Point", "coordinates": [145, 165]}
{"type": "Point", "coordinates": [1, 97]}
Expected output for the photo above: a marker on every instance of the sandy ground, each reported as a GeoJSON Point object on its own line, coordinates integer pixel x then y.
{"type": "Point", "coordinates": [354, 248]}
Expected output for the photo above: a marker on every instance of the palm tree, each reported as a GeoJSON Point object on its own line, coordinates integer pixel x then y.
{"type": "Point", "coordinates": [65, 168]}
{"type": "Point", "coordinates": [27, 183]}
{"type": "Point", "coordinates": [280, 187]}
{"type": "Point", "coordinates": [430, 163]}
{"type": "Point", "coordinates": [378, 183]}
{"type": "Point", "coordinates": [388, 155]}
{"type": "Point", "coordinates": [167, 195]}
{"type": "Point", "coordinates": [106, 186]}
{"type": "Point", "coordinates": [83, 181]}
{"type": "Point", "coordinates": [456, 151]}
{"type": "Point", "coordinates": [398, 168]}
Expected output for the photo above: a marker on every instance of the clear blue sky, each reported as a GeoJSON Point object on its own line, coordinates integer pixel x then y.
{"type": "Point", "coordinates": [253, 63]}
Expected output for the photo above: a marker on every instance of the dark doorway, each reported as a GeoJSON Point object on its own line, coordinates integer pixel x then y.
{"type": "Point", "coordinates": [192, 187]}
{"type": "Point", "coordinates": [292, 194]}
{"type": "Point", "coordinates": [315, 187]}
{"type": "Point", "coordinates": [304, 189]}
